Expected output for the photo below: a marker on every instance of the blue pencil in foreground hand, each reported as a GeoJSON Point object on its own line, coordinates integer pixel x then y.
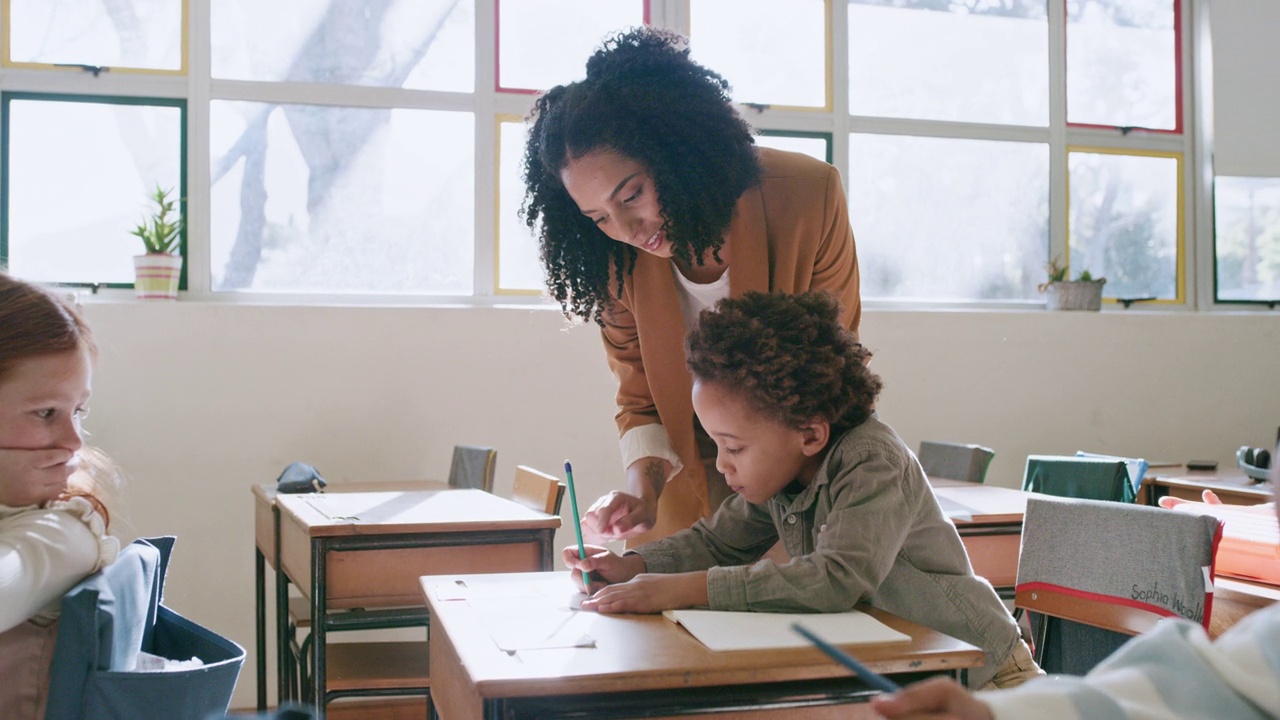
{"type": "Point", "coordinates": [874, 679]}
{"type": "Point", "coordinates": [577, 524]}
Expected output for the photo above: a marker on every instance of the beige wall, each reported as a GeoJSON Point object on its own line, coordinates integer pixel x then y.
{"type": "Point", "coordinates": [199, 401]}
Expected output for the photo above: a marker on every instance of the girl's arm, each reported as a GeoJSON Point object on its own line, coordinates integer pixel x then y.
{"type": "Point", "coordinates": [43, 554]}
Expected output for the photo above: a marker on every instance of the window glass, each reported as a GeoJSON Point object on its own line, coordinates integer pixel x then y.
{"type": "Point", "coordinates": [97, 158]}
{"type": "Point", "coordinates": [145, 34]}
{"type": "Point", "coordinates": [817, 145]}
{"type": "Point", "coordinates": [773, 52]}
{"type": "Point", "coordinates": [543, 43]}
{"type": "Point", "coordinates": [943, 219]}
{"type": "Point", "coordinates": [519, 267]}
{"type": "Point", "coordinates": [1124, 222]}
{"type": "Point", "coordinates": [416, 44]}
{"type": "Point", "coordinates": [964, 61]}
{"type": "Point", "coordinates": [1247, 238]}
{"type": "Point", "coordinates": [1122, 65]}
{"type": "Point", "coordinates": [310, 198]}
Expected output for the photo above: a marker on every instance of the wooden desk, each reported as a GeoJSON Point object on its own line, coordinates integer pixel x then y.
{"type": "Point", "coordinates": [1232, 486]}
{"type": "Point", "coordinates": [1234, 599]}
{"type": "Point", "coordinates": [367, 549]}
{"type": "Point", "coordinates": [644, 665]}
{"type": "Point", "coordinates": [266, 527]}
{"type": "Point", "coordinates": [989, 520]}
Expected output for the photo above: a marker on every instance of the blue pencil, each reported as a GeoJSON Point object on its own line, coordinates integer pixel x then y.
{"type": "Point", "coordinates": [577, 524]}
{"type": "Point", "coordinates": [874, 679]}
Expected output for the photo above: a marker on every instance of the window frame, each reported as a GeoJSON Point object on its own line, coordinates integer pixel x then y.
{"type": "Point", "coordinates": [489, 104]}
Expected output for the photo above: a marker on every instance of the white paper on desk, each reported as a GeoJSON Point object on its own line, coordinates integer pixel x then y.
{"type": "Point", "coordinates": [479, 589]}
{"type": "Point", "coordinates": [564, 628]}
{"type": "Point", "coordinates": [954, 510]}
{"type": "Point", "coordinates": [720, 630]}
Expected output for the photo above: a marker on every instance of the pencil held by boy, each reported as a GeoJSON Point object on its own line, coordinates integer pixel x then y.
{"type": "Point", "coordinates": [783, 389]}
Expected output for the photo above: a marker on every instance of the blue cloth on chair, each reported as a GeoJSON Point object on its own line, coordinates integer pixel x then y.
{"type": "Point", "coordinates": [113, 616]}
{"type": "Point", "coordinates": [1078, 477]}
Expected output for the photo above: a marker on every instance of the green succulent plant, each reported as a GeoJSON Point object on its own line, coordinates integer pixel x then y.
{"type": "Point", "coordinates": [1058, 273]}
{"type": "Point", "coordinates": [161, 232]}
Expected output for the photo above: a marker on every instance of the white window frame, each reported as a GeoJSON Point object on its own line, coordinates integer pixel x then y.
{"type": "Point", "coordinates": [1194, 144]}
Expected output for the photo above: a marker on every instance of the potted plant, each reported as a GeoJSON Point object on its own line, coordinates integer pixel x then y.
{"type": "Point", "coordinates": [1083, 293]}
{"type": "Point", "coordinates": [157, 271]}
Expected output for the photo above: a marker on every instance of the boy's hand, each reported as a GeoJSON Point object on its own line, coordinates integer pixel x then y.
{"type": "Point", "coordinates": [31, 477]}
{"type": "Point", "coordinates": [604, 566]}
{"type": "Point", "coordinates": [933, 699]}
{"type": "Point", "coordinates": [651, 593]}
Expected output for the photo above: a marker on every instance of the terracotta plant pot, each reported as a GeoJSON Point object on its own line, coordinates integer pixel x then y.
{"type": "Point", "coordinates": [1076, 295]}
{"type": "Point", "coordinates": [156, 276]}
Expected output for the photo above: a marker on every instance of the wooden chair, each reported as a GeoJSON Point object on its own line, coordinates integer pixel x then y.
{"type": "Point", "coordinates": [537, 490]}
{"type": "Point", "coordinates": [1093, 572]}
{"type": "Point", "coordinates": [956, 461]}
{"type": "Point", "coordinates": [473, 467]}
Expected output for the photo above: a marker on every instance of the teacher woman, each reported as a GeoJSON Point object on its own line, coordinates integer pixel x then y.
{"type": "Point", "coordinates": [651, 202]}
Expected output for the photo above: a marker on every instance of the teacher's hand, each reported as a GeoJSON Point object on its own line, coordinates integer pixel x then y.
{"type": "Point", "coordinates": [618, 516]}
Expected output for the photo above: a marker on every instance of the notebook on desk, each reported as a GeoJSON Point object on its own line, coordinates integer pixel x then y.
{"type": "Point", "coordinates": [1250, 544]}
{"type": "Point", "coordinates": [721, 631]}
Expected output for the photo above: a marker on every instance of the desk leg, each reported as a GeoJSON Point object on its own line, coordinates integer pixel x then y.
{"type": "Point", "coordinates": [319, 671]}
{"type": "Point", "coordinates": [260, 617]}
{"type": "Point", "coordinates": [284, 686]}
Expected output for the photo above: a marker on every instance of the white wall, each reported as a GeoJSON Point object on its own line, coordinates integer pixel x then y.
{"type": "Point", "coordinates": [200, 401]}
{"type": "Point", "coordinates": [1245, 91]}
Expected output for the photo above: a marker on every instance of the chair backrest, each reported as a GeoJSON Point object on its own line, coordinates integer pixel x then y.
{"type": "Point", "coordinates": [1093, 573]}
{"type": "Point", "coordinates": [1079, 477]}
{"type": "Point", "coordinates": [957, 461]}
{"type": "Point", "coordinates": [537, 490]}
{"type": "Point", "coordinates": [473, 467]}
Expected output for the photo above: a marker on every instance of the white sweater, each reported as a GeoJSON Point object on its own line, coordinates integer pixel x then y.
{"type": "Point", "coordinates": [1173, 671]}
{"type": "Point", "coordinates": [44, 552]}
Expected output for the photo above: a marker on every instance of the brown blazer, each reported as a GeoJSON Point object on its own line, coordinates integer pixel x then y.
{"type": "Point", "coordinates": [789, 234]}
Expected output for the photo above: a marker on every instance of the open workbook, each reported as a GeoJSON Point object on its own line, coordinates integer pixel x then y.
{"type": "Point", "coordinates": [720, 630]}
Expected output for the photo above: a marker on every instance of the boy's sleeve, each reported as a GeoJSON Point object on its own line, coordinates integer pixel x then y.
{"type": "Point", "coordinates": [737, 533]}
{"type": "Point", "coordinates": [872, 512]}
{"type": "Point", "coordinates": [1171, 671]}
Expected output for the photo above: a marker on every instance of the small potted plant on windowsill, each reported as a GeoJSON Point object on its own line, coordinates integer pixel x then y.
{"type": "Point", "coordinates": [1083, 293]}
{"type": "Point", "coordinates": [156, 273]}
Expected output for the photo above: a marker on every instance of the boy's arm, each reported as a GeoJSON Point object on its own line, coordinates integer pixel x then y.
{"type": "Point", "coordinates": [872, 513]}
{"type": "Point", "coordinates": [737, 533]}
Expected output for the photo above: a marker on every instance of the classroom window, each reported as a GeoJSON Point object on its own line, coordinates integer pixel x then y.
{"type": "Point", "coordinates": [123, 35]}
{"type": "Point", "coordinates": [1125, 220]}
{"type": "Point", "coordinates": [941, 219]}
{"type": "Point", "coordinates": [970, 62]}
{"type": "Point", "coordinates": [1122, 63]}
{"type": "Point", "coordinates": [310, 198]}
{"type": "Point", "coordinates": [374, 147]}
{"type": "Point", "coordinates": [76, 174]}
{"type": "Point", "coordinates": [416, 45]}
{"type": "Point", "coordinates": [544, 43]}
{"type": "Point", "coordinates": [773, 53]}
{"type": "Point", "coordinates": [1247, 246]}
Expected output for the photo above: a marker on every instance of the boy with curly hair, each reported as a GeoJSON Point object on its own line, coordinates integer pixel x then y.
{"type": "Point", "coordinates": [783, 389]}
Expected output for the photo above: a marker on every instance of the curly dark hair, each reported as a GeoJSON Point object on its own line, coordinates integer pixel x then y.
{"type": "Point", "coordinates": [643, 98]}
{"type": "Point", "coordinates": [788, 357]}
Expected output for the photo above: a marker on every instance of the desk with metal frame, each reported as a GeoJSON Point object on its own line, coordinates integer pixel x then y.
{"type": "Point", "coordinates": [1232, 486]}
{"type": "Point", "coordinates": [645, 665]}
{"type": "Point", "coordinates": [989, 520]}
{"type": "Point", "coordinates": [365, 550]}
{"type": "Point", "coordinates": [266, 542]}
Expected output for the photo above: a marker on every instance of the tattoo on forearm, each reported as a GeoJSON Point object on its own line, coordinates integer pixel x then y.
{"type": "Point", "coordinates": [654, 475]}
